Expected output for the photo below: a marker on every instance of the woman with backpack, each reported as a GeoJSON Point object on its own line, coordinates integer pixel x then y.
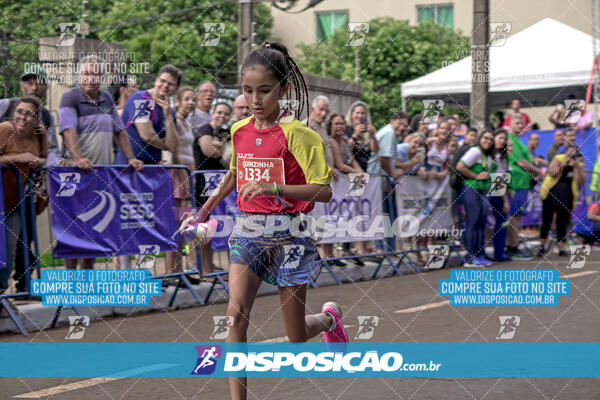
{"type": "Point", "coordinates": [476, 165]}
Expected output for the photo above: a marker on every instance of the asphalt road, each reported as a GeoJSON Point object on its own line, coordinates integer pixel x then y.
{"type": "Point", "coordinates": [409, 310]}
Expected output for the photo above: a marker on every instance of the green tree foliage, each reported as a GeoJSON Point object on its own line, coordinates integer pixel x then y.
{"type": "Point", "coordinates": [155, 30]}
{"type": "Point", "coordinates": [22, 23]}
{"type": "Point", "coordinates": [393, 52]}
{"type": "Point", "coordinates": [177, 38]}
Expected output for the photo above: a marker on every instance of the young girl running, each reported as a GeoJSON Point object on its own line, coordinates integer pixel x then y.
{"type": "Point", "coordinates": [279, 167]}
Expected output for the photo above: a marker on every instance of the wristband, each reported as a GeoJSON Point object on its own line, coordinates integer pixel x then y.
{"type": "Point", "coordinates": [278, 199]}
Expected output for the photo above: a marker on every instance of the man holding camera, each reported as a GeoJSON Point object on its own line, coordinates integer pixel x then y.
{"type": "Point", "coordinates": [560, 192]}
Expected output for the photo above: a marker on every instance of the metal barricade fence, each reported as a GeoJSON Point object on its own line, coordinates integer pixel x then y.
{"type": "Point", "coordinates": [216, 279]}
{"type": "Point", "coordinates": [182, 277]}
{"type": "Point", "coordinates": [25, 203]}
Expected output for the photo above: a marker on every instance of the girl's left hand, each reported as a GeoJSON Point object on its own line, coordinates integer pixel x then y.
{"type": "Point", "coordinates": [254, 188]}
{"type": "Point", "coordinates": [371, 129]}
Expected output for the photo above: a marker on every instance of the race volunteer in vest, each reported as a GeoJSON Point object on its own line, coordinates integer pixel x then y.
{"type": "Point", "coordinates": [88, 122]}
{"type": "Point", "coordinates": [476, 166]}
{"type": "Point", "coordinates": [521, 169]}
{"type": "Point", "coordinates": [278, 164]}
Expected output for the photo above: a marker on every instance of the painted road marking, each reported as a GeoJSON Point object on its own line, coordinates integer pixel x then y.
{"type": "Point", "coordinates": [91, 382]}
{"type": "Point", "coordinates": [423, 307]}
{"type": "Point", "coordinates": [575, 275]}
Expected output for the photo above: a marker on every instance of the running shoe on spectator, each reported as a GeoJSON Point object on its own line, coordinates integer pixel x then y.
{"type": "Point", "coordinates": [518, 255]}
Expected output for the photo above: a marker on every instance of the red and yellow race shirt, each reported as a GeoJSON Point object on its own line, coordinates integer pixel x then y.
{"type": "Point", "coordinates": [288, 153]}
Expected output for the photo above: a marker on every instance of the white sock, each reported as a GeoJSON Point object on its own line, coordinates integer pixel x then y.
{"type": "Point", "coordinates": [333, 323]}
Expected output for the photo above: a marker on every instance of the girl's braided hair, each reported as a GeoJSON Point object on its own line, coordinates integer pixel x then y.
{"type": "Point", "coordinates": [274, 57]}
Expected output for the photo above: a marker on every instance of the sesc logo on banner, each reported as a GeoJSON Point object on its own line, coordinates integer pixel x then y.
{"type": "Point", "coordinates": [108, 202]}
{"type": "Point", "coordinates": [207, 359]}
{"type": "Point", "coordinates": [68, 183]}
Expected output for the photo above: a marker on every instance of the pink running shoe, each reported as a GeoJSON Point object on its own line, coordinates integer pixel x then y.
{"type": "Point", "coordinates": [201, 232]}
{"type": "Point", "coordinates": [336, 333]}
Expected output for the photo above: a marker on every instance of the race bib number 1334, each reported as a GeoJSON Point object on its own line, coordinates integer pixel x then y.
{"type": "Point", "coordinates": [266, 170]}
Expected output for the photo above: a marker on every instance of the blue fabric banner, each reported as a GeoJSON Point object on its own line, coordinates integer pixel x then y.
{"type": "Point", "coordinates": [3, 249]}
{"type": "Point", "coordinates": [587, 140]}
{"type": "Point", "coordinates": [225, 212]}
{"type": "Point", "coordinates": [111, 211]}
{"type": "Point", "coordinates": [313, 359]}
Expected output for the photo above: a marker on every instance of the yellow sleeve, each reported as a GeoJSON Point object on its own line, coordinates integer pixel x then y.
{"type": "Point", "coordinates": [308, 149]}
{"type": "Point", "coordinates": [235, 127]}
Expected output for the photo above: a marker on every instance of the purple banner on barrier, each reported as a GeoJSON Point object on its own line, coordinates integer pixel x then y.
{"type": "Point", "coordinates": [111, 211]}
{"type": "Point", "coordinates": [587, 140]}
{"type": "Point", "coordinates": [225, 212]}
{"type": "Point", "coordinates": [533, 213]}
{"type": "Point", "coordinates": [3, 249]}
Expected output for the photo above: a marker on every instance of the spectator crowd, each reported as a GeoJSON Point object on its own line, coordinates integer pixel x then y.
{"type": "Point", "coordinates": [127, 125]}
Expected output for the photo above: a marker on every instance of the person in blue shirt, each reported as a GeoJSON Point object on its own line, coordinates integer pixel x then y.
{"type": "Point", "coordinates": [150, 120]}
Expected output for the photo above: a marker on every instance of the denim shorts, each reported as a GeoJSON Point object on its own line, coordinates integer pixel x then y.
{"type": "Point", "coordinates": [279, 256]}
{"type": "Point", "coordinates": [518, 202]}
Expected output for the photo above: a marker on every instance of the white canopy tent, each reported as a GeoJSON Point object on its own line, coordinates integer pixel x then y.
{"type": "Point", "coordinates": [542, 65]}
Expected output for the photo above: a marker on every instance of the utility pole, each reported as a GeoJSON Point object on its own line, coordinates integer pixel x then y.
{"type": "Point", "coordinates": [4, 57]}
{"type": "Point", "coordinates": [245, 25]}
{"type": "Point", "coordinates": [480, 73]}
{"type": "Point", "coordinates": [596, 50]}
